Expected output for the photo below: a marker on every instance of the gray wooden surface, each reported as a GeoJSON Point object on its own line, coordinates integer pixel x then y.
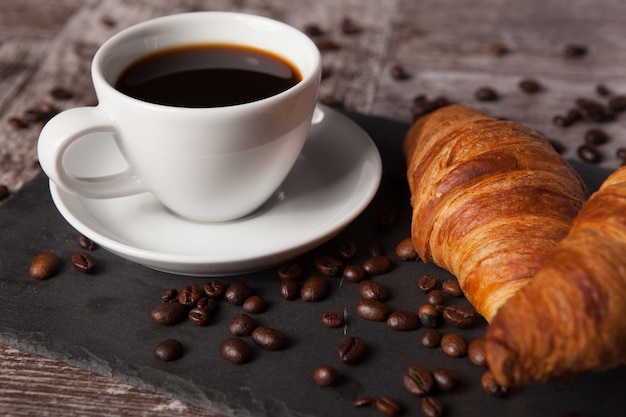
{"type": "Point", "coordinates": [442, 46]}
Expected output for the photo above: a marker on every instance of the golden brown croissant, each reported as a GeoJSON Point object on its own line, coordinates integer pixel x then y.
{"type": "Point", "coordinates": [571, 317]}
{"type": "Point", "coordinates": [490, 200]}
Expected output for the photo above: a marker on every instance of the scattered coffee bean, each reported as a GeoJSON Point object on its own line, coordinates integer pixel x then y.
{"type": "Point", "coordinates": [405, 250]}
{"type": "Point", "coordinates": [403, 321]}
{"type": "Point", "coordinates": [237, 293]}
{"type": "Point", "coordinates": [169, 295]}
{"type": "Point", "coordinates": [431, 338]}
{"type": "Point", "coordinates": [575, 51]}
{"type": "Point", "coordinates": [292, 270]}
{"type": "Point", "coordinates": [289, 289]}
{"type": "Point", "coordinates": [373, 310]}
{"type": "Point", "coordinates": [373, 290]}
{"type": "Point", "coordinates": [199, 316]}
{"type": "Point", "coordinates": [561, 121]}
{"type": "Point", "coordinates": [354, 273]}
{"type": "Point", "coordinates": [446, 379]}
{"type": "Point", "coordinates": [269, 338]}
{"type": "Point", "coordinates": [328, 266]}
{"type": "Point", "coordinates": [486, 94]}
{"type": "Point", "coordinates": [452, 344]}
{"type": "Point", "coordinates": [427, 283]}
{"type": "Point", "coordinates": [168, 314]}
{"type": "Point", "coordinates": [206, 303]}
{"type": "Point", "coordinates": [349, 26]}
{"type": "Point", "coordinates": [17, 123]}
{"type": "Point", "coordinates": [255, 304]}
{"type": "Point", "coordinates": [618, 103]}
{"type": "Point", "coordinates": [40, 112]}
{"type": "Point", "coordinates": [436, 299]}
{"type": "Point", "coordinates": [595, 110]}
{"type": "Point", "coordinates": [326, 44]}
{"type": "Point", "coordinates": [83, 262]}
{"type": "Point", "coordinates": [190, 295]}
{"type": "Point", "coordinates": [603, 90]}
{"type": "Point", "coordinates": [325, 376]}
{"type": "Point", "coordinates": [60, 93]}
{"type": "Point", "coordinates": [476, 353]}
{"type": "Point", "coordinates": [530, 86]}
{"type": "Point", "coordinates": [214, 289]}
{"type": "Point", "coordinates": [589, 153]}
{"type": "Point", "coordinates": [44, 265]}
{"type": "Point", "coordinates": [431, 407]}
{"type": "Point", "coordinates": [388, 406]}
{"type": "Point", "coordinates": [235, 350]}
{"type": "Point", "coordinates": [332, 319]}
{"type": "Point", "coordinates": [241, 325]}
{"type": "Point", "coordinates": [378, 265]}
{"type": "Point", "coordinates": [498, 49]}
{"type": "Point", "coordinates": [168, 350]}
{"type": "Point", "coordinates": [399, 73]}
{"type": "Point", "coordinates": [363, 401]}
{"type": "Point", "coordinates": [459, 317]}
{"type": "Point", "coordinates": [314, 289]}
{"type": "Point", "coordinates": [491, 386]}
{"type": "Point", "coordinates": [452, 287]}
{"type": "Point", "coordinates": [313, 30]}
{"type": "Point", "coordinates": [85, 243]}
{"type": "Point", "coordinates": [574, 115]}
{"type": "Point", "coordinates": [596, 137]}
{"type": "Point", "coordinates": [418, 381]}
{"type": "Point", "coordinates": [346, 250]}
{"type": "Point", "coordinates": [429, 316]}
{"type": "Point", "coordinates": [351, 350]}
{"type": "Point", "coordinates": [108, 21]}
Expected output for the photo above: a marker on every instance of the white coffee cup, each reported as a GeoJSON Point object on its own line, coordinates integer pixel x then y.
{"type": "Point", "coordinates": [209, 164]}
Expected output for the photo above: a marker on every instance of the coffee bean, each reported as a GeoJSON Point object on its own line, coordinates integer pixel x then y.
{"type": "Point", "coordinates": [325, 376]}
{"type": "Point", "coordinates": [314, 289]}
{"type": "Point", "coordinates": [190, 295]}
{"type": "Point", "coordinates": [235, 350]}
{"type": "Point", "coordinates": [431, 407]}
{"type": "Point", "coordinates": [241, 325]}
{"type": "Point", "coordinates": [255, 304]}
{"type": "Point", "coordinates": [199, 316]}
{"type": "Point", "coordinates": [206, 303]}
{"type": "Point", "coordinates": [354, 273]}
{"type": "Point", "coordinates": [452, 287]}
{"type": "Point", "coordinates": [429, 316]}
{"type": "Point", "coordinates": [378, 265]}
{"type": "Point", "coordinates": [332, 319]}
{"type": "Point", "coordinates": [269, 338]}
{"type": "Point", "coordinates": [351, 350]}
{"type": "Point", "coordinates": [498, 49]}
{"type": "Point", "coordinates": [313, 30]}
{"type": "Point", "coordinates": [603, 90]}
{"type": "Point", "coordinates": [399, 73]}
{"type": "Point", "coordinates": [85, 243]}
{"type": "Point", "coordinates": [403, 321]}
{"type": "Point", "coordinates": [574, 51]}
{"type": "Point", "coordinates": [17, 123]}
{"type": "Point", "coordinates": [40, 112]}
{"type": "Point", "coordinates": [459, 317]}
{"type": "Point", "coordinates": [363, 401]}
{"type": "Point", "coordinates": [562, 121]}
{"type": "Point", "coordinates": [436, 299]}
{"type": "Point", "coordinates": [589, 153]}
{"type": "Point", "coordinates": [60, 93]}
{"type": "Point", "coordinates": [289, 289]}
{"type": "Point", "coordinates": [83, 262]}
{"type": "Point", "coordinates": [373, 310]}
{"type": "Point", "coordinates": [169, 295]}
{"type": "Point", "coordinates": [530, 86]}
{"type": "Point", "coordinates": [476, 353]}
{"type": "Point", "coordinates": [214, 289]}
{"type": "Point", "coordinates": [168, 350]}
{"type": "Point", "coordinates": [237, 293]}
{"type": "Point", "coordinates": [349, 26]}
{"type": "Point", "coordinates": [388, 406]}
{"type": "Point", "coordinates": [168, 314]}
{"type": "Point", "coordinates": [328, 266]}
{"type": "Point", "coordinates": [289, 271]}
{"type": "Point", "coordinates": [618, 103]}
{"type": "Point", "coordinates": [326, 44]}
{"type": "Point", "coordinates": [430, 338]}
{"type": "Point", "coordinates": [486, 94]}
{"type": "Point", "coordinates": [596, 137]}
{"type": "Point", "coordinates": [452, 344]}
{"type": "Point", "coordinates": [427, 283]}
{"type": "Point", "coordinates": [446, 379]}
{"type": "Point", "coordinates": [491, 386]}
{"type": "Point", "coordinates": [373, 290]}
{"type": "Point", "coordinates": [346, 250]}
{"type": "Point", "coordinates": [595, 110]}
{"type": "Point", "coordinates": [405, 250]}
{"type": "Point", "coordinates": [44, 265]}
{"type": "Point", "coordinates": [418, 381]}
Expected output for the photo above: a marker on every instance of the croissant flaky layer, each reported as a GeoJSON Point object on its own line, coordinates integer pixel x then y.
{"type": "Point", "coordinates": [490, 200]}
{"type": "Point", "coordinates": [571, 318]}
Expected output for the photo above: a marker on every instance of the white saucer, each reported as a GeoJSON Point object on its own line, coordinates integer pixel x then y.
{"type": "Point", "coordinates": [333, 181]}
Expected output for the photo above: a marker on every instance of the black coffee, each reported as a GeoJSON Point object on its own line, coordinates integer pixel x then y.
{"type": "Point", "coordinates": [207, 75]}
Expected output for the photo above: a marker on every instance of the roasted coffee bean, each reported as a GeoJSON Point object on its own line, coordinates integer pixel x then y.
{"type": "Point", "coordinates": [363, 401]}
{"type": "Point", "coordinates": [491, 386]}
{"type": "Point", "coordinates": [375, 249]}
{"type": "Point", "coordinates": [168, 314]}
{"type": "Point", "coordinates": [399, 73]}
{"type": "Point", "coordinates": [354, 273]}
{"type": "Point", "coordinates": [498, 49]}
{"type": "Point", "coordinates": [351, 350]}
{"type": "Point", "coordinates": [292, 270]}
{"type": "Point", "coordinates": [289, 289]}
{"type": "Point", "coordinates": [373, 290]}
{"type": "Point", "coordinates": [349, 26]}
{"type": "Point", "coordinates": [190, 295]}
{"type": "Point", "coordinates": [17, 123]}
{"type": "Point", "coordinates": [403, 321]}
{"type": "Point", "coordinates": [325, 376]}
{"type": "Point", "coordinates": [446, 379]}
{"type": "Point", "coordinates": [431, 338]}
{"type": "Point", "coordinates": [40, 112]}
{"type": "Point", "coordinates": [235, 350]}
{"type": "Point", "coordinates": [313, 30]}
{"type": "Point", "coordinates": [562, 121]}
{"type": "Point", "coordinates": [436, 299]}
{"type": "Point", "coordinates": [429, 316]}
{"type": "Point", "coordinates": [44, 265]}
{"type": "Point", "coordinates": [168, 350]}
{"type": "Point", "coordinates": [326, 44]}
{"type": "Point", "coordinates": [60, 93]}
{"type": "Point", "coordinates": [199, 316]}
{"type": "Point", "coordinates": [346, 250]}
{"type": "Point", "coordinates": [595, 110]}
{"type": "Point", "coordinates": [388, 406]}
{"type": "Point", "coordinates": [486, 94]}
{"type": "Point", "coordinates": [405, 250]}
{"type": "Point", "coordinates": [328, 265]}
{"type": "Point", "coordinates": [241, 325]}
{"type": "Point", "coordinates": [255, 304]}
{"type": "Point", "coordinates": [332, 319]}
{"type": "Point", "coordinates": [596, 137]}
{"type": "Point", "coordinates": [431, 407]}
{"type": "Point", "coordinates": [589, 153]}
{"type": "Point", "coordinates": [530, 86]}
{"type": "Point", "coordinates": [418, 381]}
{"type": "Point", "coordinates": [85, 243]}
{"type": "Point", "coordinates": [314, 289]}
{"type": "Point", "coordinates": [237, 293]}
{"type": "Point", "coordinates": [574, 115]}
{"type": "Point", "coordinates": [378, 265]}
{"type": "Point", "coordinates": [618, 103]}
{"type": "Point", "coordinates": [452, 287]}
{"type": "Point", "coordinates": [108, 21]}
{"type": "Point", "coordinates": [458, 316]}
{"type": "Point", "coordinates": [373, 310]}
{"type": "Point", "coordinates": [214, 289]}
{"type": "Point", "coordinates": [603, 90]}
{"type": "Point", "coordinates": [452, 344]}
{"type": "Point", "coordinates": [206, 303]}
{"type": "Point", "coordinates": [476, 353]}
{"type": "Point", "coordinates": [83, 262]}
{"type": "Point", "coordinates": [427, 283]}
{"type": "Point", "coordinates": [269, 338]}
{"type": "Point", "coordinates": [169, 295]}
{"type": "Point", "coordinates": [574, 51]}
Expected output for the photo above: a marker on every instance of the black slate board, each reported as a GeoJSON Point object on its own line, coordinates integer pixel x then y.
{"type": "Point", "coordinates": [101, 322]}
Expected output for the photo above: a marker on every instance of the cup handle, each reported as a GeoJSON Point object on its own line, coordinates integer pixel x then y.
{"type": "Point", "coordinates": [57, 136]}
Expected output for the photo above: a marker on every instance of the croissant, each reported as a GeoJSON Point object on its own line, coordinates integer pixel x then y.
{"type": "Point", "coordinates": [490, 199]}
{"type": "Point", "coordinates": [571, 317]}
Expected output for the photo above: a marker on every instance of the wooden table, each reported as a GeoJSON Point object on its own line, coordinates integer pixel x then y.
{"type": "Point", "coordinates": [378, 57]}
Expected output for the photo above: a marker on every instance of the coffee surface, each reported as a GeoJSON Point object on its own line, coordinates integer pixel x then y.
{"type": "Point", "coordinates": [207, 75]}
